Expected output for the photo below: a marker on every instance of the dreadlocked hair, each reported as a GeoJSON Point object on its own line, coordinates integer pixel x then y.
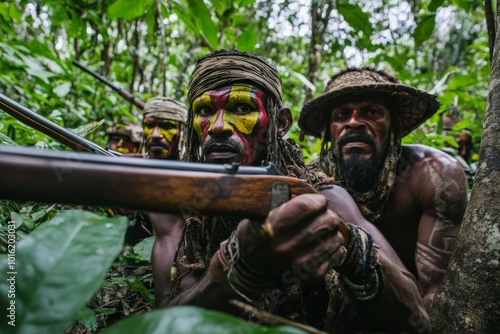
{"type": "Point", "coordinates": [202, 235]}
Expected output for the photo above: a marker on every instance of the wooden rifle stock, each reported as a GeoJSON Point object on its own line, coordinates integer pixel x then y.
{"type": "Point", "coordinates": [125, 94]}
{"type": "Point", "coordinates": [28, 174]}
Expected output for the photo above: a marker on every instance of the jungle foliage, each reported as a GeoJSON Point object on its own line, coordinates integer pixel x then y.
{"type": "Point", "coordinates": [149, 47]}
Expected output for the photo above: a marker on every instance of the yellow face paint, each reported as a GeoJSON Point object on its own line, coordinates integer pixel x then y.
{"type": "Point", "coordinates": [230, 109]}
{"type": "Point", "coordinates": [230, 123]}
{"type": "Point", "coordinates": [161, 137]}
{"type": "Point", "coordinates": [161, 128]}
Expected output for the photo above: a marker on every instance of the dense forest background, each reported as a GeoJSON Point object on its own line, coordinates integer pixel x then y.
{"type": "Point", "coordinates": [149, 47]}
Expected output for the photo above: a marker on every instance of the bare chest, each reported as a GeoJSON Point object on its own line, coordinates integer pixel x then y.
{"type": "Point", "coordinates": [399, 224]}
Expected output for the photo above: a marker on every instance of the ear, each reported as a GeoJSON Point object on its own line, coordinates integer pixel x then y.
{"type": "Point", "coordinates": [284, 121]}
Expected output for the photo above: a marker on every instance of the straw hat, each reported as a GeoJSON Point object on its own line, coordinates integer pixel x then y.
{"type": "Point", "coordinates": [128, 129]}
{"type": "Point", "coordinates": [414, 105]}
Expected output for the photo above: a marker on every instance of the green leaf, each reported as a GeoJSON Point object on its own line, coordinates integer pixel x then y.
{"type": "Point", "coordinates": [128, 9]}
{"type": "Point", "coordinates": [62, 90]}
{"type": "Point", "coordinates": [184, 15]}
{"type": "Point", "coordinates": [459, 82]}
{"type": "Point", "coordinates": [141, 288]}
{"type": "Point", "coordinates": [17, 218]}
{"type": "Point", "coordinates": [204, 22]}
{"type": "Point", "coordinates": [464, 4]}
{"type": "Point", "coordinates": [434, 5]}
{"type": "Point", "coordinates": [356, 18]}
{"type": "Point", "coordinates": [247, 40]}
{"type": "Point", "coordinates": [59, 266]}
{"type": "Point", "coordinates": [424, 29]}
{"type": "Point", "coordinates": [87, 317]}
{"type": "Point", "coordinates": [143, 248]}
{"type": "Point", "coordinates": [304, 80]}
{"type": "Point", "coordinates": [191, 320]}
{"type": "Point", "coordinates": [85, 129]}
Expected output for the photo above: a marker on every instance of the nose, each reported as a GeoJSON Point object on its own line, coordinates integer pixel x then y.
{"type": "Point", "coordinates": [221, 126]}
{"type": "Point", "coordinates": [156, 133]}
{"type": "Point", "coordinates": [354, 120]}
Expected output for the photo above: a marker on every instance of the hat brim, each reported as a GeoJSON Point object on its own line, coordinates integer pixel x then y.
{"type": "Point", "coordinates": [415, 106]}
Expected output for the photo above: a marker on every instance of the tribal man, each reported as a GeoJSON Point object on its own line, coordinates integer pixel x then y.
{"type": "Point", "coordinates": [163, 123]}
{"type": "Point", "coordinates": [314, 259]}
{"type": "Point", "coordinates": [124, 137]}
{"type": "Point", "coordinates": [414, 194]}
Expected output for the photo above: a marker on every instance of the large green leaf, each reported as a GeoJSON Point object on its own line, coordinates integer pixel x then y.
{"type": "Point", "coordinates": [434, 5]}
{"type": "Point", "coordinates": [144, 247]}
{"type": "Point", "coordinates": [247, 40]}
{"type": "Point", "coordinates": [466, 5]}
{"type": "Point", "coordinates": [57, 268]}
{"type": "Point", "coordinates": [204, 22]}
{"type": "Point", "coordinates": [128, 9]}
{"type": "Point", "coordinates": [191, 320]}
{"type": "Point", "coordinates": [424, 29]}
{"type": "Point", "coordinates": [357, 19]}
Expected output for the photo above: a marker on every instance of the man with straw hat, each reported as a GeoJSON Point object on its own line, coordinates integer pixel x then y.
{"type": "Point", "coordinates": [414, 194]}
{"type": "Point", "coordinates": [289, 264]}
{"type": "Point", "coordinates": [163, 124]}
{"type": "Point", "coordinates": [124, 137]}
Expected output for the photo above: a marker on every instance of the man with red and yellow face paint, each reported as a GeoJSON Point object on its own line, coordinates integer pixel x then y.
{"type": "Point", "coordinates": [287, 262]}
{"type": "Point", "coordinates": [124, 137]}
{"type": "Point", "coordinates": [231, 122]}
{"type": "Point", "coordinates": [163, 123]}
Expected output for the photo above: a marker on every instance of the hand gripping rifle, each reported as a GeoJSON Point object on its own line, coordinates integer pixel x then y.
{"type": "Point", "coordinates": [28, 174]}
{"type": "Point", "coordinates": [51, 129]}
{"type": "Point", "coordinates": [127, 95]}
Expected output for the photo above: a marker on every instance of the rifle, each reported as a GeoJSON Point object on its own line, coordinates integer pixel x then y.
{"type": "Point", "coordinates": [125, 94]}
{"type": "Point", "coordinates": [50, 128]}
{"type": "Point", "coordinates": [28, 174]}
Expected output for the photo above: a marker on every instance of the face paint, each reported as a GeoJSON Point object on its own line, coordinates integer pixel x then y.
{"type": "Point", "coordinates": [161, 136]}
{"type": "Point", "coordinates": [230, 123]}
{"type": "Point", "coordinates": [122, 144]}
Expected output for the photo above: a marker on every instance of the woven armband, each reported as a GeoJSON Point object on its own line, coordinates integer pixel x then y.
{"type": "Point", "coordinates": [360, 268]}
{"type": "Point", "coordinates": [233, 273]}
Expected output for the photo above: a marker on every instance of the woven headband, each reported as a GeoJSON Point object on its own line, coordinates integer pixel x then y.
{"type": "Point", "coordinates": [164, 107]}
{"type": "Point", "coordinates": [226, 69]}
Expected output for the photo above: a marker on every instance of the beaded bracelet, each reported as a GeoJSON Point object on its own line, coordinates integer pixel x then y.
{"type": "Point", "coordinates": [237, 275]}
{"type": "Point", "coordinates": [360, 268]}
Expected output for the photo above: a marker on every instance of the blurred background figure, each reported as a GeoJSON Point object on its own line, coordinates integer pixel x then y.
{"type": "Point", "coordinates": [124, 137]}
{"type": "Point", "coordinates": [463, 137]}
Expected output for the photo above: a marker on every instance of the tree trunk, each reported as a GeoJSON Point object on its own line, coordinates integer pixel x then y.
{"type": "Point", "coordinates": [468, 301]}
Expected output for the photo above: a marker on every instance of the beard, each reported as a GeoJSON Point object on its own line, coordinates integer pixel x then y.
{"type": "Point", "coordinates": [357, 171]}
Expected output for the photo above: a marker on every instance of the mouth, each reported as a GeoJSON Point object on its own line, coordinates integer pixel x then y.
{"type": "Point", "coordinates": [356, 144]}
{"type": "Point", "coordinates": [222, 153]}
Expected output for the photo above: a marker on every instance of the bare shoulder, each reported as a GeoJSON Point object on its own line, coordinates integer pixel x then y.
{"type": "Point", "coordinates": [340, 201]}
{"type": "Point", "coordinates": [423, 162]}
{"type": "Point", "coordinates": [434, 176]}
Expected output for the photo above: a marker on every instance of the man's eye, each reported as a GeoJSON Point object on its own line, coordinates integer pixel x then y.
{"type": "Point", "coordinates": [243, 109]}
{"type": "Point", "coordinates": [340, 115]}
{"type": "Point", "coordinates": [167, 126]}
{"type": "Point", "coordinates": [204, 111]}
{"type": "Point", "coordinates": [373, 112]}
{"type": "Point", "coordinates": [148, 125]}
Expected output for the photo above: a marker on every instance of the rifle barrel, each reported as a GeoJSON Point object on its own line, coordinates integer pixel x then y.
{"type": "Point", "coordinates": [50, 128]}
{"type": "Point", "coordinates": [127, 95]}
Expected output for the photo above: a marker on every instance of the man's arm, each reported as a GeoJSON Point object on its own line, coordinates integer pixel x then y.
{"type": "Point", "coordinates": [168, 231]}
{"type": "Point", "coordinates": [399, 305]}
{"type": "Point", "coordinates": [441, 189]}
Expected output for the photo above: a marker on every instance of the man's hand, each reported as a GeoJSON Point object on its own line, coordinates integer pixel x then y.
{"type": "Point", "coordinates": [300, 238]}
